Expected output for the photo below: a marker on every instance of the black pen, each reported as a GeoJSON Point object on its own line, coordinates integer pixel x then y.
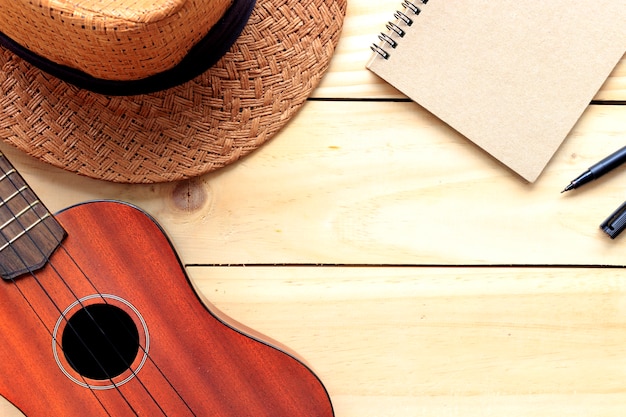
{"type": "Point", "coordinates": [597, 170]}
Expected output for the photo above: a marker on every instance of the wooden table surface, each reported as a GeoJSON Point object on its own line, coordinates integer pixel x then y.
{"type": "Point", "coordinates": [413, 273]}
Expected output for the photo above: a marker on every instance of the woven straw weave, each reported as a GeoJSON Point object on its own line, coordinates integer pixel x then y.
{"type": "Point", "coordinates": [185, 131]}
{"type": "Point", "coordinates": [111, 39]}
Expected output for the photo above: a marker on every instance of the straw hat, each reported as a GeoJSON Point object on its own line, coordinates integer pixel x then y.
{"type": "Point", "coordinates": [157, 90]}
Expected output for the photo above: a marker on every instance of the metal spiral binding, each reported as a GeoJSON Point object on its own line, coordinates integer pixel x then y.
{"type": "Point", "coordinates": [395, 29]}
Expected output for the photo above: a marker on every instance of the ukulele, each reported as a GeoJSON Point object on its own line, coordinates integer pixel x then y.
{"type": "Point", "coordinates": [98, 318]}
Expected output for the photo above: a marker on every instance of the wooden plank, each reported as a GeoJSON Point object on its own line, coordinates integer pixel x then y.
{"type": "Point", "coordinates": [443, 341]}
{"type": "Point", "coordinates": [382, 183]}
{"type": "Point", "coordinates": [348, 78]}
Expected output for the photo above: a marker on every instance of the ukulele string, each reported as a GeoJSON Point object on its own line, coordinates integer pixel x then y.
{"type": "Point", "coordinates": [125, 327]}
{"type": "Point", "coordinates": [30, 305]}
{"type": "Point", "coordinates": [17, 287]}
{"type": "Point", "coordinates": [37, 315]}
{"type": "Point", "coordinates": [91, 283]}
{"type": "Point", "coordinates": [41, 320]}
{"type": "Point", "coordinates": [14, 217]}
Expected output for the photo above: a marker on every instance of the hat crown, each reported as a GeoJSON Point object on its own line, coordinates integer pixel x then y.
{"type": "Point", "coordinates": [111, 39]}
{"type": "Point", "coordinates": [129, 10]}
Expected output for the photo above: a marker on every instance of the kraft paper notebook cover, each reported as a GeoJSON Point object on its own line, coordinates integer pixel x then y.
{"type": "Point", "coordinates": [512, 76]}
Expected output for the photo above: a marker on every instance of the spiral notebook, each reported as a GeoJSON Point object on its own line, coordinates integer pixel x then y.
{"type": "Point", "coordinates": [511, 76]}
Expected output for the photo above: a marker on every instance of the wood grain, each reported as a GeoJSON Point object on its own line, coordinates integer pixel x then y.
{"type": "Point", "coordinates": [418, 341]}
{"type": "Point", "coordinates": [378, 185]}
{"type": "Point", "coordinates": [421, 341]}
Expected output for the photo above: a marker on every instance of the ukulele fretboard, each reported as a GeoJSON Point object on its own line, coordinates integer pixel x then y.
{"type": "Point", "coordinates": [29, 234]}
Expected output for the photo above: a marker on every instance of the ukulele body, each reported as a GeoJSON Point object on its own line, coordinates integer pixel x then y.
{"type": "Point", "coordinates": [172, 356]}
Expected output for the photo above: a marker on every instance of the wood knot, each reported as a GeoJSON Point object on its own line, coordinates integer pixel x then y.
{"type": "Point", "coordinates": [190, 195]}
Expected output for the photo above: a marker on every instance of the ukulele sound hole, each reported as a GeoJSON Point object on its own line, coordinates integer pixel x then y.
{"type": "Point", "coordinates": [100, 341]}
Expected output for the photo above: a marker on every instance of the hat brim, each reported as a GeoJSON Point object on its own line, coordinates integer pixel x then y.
{"type": "Point", "coordinates": [185, 131]}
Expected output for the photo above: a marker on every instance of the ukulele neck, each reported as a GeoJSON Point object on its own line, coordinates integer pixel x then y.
{"type": "Point", "coordinates": [29, 234]}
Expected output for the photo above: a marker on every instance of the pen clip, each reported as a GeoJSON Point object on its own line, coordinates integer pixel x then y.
{"type": "Point", "coordinates": [616, 222]}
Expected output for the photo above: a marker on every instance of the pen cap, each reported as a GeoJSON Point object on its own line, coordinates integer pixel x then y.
{"type": "Point", "coordinates": [616, 222]}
